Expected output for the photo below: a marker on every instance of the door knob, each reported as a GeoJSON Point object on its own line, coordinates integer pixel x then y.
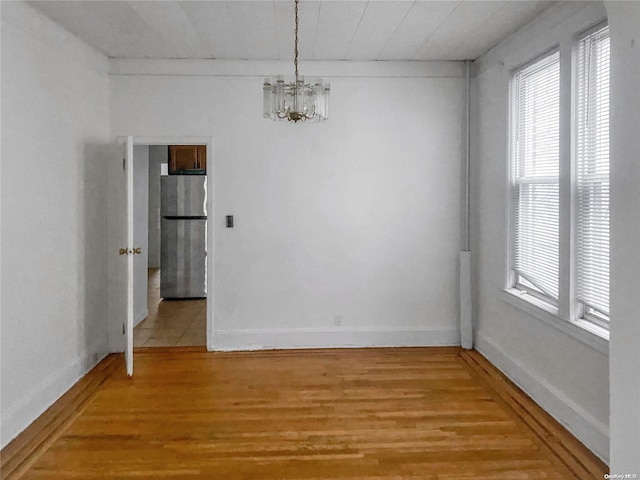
{"type": "Point", "coordinates": [137, 251]}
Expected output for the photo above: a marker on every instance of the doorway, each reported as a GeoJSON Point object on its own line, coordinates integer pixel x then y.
{"type": "Point", "coordinates": [158, 321]}
{"type": "Point", "coordinates": [170, 323]}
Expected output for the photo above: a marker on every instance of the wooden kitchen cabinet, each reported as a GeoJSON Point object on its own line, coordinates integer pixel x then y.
{"type": "Point", "coordinates": [187, 158]}
{"type": "Point", "coordinates": [202, 157]}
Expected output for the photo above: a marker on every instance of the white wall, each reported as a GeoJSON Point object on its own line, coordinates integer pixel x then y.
{"type": "Point", "coordinates": [563, 368]}
{"type": "Point", "coordinates": [358, 216]}
{"type": "Point", "coordinates": [624, 19]}
{"type": "Point", "coordinates": [158, 154]}
{"type": "Point", "coordinates": [140, 231]}
{"type": "Point", "coordinates": [54, 117]}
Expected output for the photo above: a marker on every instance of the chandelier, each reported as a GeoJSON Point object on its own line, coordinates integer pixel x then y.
{"type": "Point", "coordinates": [298, 100]}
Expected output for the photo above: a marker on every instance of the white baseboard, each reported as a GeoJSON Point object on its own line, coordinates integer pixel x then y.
{"type": "Point", "coordinates": [589, 430]}
{"type": "Point", "coordinates": [140, 317]}
{"type": "Point", "coordinates": [271, 339]}
{"type": "Point", "coordinates": [19, 416]}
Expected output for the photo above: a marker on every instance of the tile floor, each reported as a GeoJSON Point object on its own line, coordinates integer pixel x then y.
{"type": "Point", "coordinates": [179, 323]}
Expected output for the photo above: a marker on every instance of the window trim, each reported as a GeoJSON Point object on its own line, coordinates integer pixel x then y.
{"type": "Point", "coordinates": [511, 275]}
{"type": "Point", "coordinates": [521, 66]}
{"type": "Point", "coordinates": [579, 329]}
{"type": "Point", "coordinates": [569, 316]}
{"type": "Point", "coordinates": [582, 313]}
{"type": "Point", "coordinates": [582, 34]}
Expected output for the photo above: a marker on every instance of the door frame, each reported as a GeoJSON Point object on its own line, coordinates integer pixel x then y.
{"type": "Point", "coordinates": [208, 141]}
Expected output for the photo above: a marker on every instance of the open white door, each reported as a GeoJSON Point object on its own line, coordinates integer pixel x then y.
{"type": "Point", "coordinates": [130, 252]}
{"type": "Point", "coordinates": [121, 248]}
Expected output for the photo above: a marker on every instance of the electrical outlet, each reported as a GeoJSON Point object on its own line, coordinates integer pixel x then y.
{"type": "Point", "coordinates": [337, 320]}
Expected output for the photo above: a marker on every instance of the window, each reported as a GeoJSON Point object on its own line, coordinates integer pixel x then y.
{"type": "Point", "coordinates": [592, 176]}
{"type": "Point", "coordinates": [559, 262]}
{"type": "Point", "coordinates": [535, 164]}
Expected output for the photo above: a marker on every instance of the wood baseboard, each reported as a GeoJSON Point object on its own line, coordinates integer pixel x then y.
{"type": "Point", "coordinates": [23, 450]}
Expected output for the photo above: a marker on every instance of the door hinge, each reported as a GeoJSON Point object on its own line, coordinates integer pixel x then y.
{"type": "Point", "coordinates": [124, 163]}
{"type": "Point", "coordinates": [123, 328]}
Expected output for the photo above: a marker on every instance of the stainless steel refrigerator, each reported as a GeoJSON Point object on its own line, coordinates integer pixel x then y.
{"type": "Point", "coordinates": [183, 236]}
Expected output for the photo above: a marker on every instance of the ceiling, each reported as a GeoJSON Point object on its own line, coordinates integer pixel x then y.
{"type": "Point", "coordinates": [263, 30]}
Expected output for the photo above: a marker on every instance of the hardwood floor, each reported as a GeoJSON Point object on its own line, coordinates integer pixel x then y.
{"type": "Point", "coordinates": [404, 413]}
{"type": "Point", "coordinates": [170, 322]}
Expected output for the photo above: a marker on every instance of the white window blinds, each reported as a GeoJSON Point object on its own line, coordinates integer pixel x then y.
{"type": "Point", "coordinates": [535, 176]}
{"type": "Point", "coordinates": [592, 181]}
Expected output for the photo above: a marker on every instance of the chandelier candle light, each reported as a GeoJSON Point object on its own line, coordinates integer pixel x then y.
{"type": "Point", "coordinates": [296, 101]}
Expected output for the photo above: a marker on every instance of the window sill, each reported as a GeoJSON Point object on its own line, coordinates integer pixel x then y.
{"type": "Point", "coordinates": [581, 330]}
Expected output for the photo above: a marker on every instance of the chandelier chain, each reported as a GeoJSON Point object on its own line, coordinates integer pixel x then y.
{"type": "Point", "coordinates": [295, 50]}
